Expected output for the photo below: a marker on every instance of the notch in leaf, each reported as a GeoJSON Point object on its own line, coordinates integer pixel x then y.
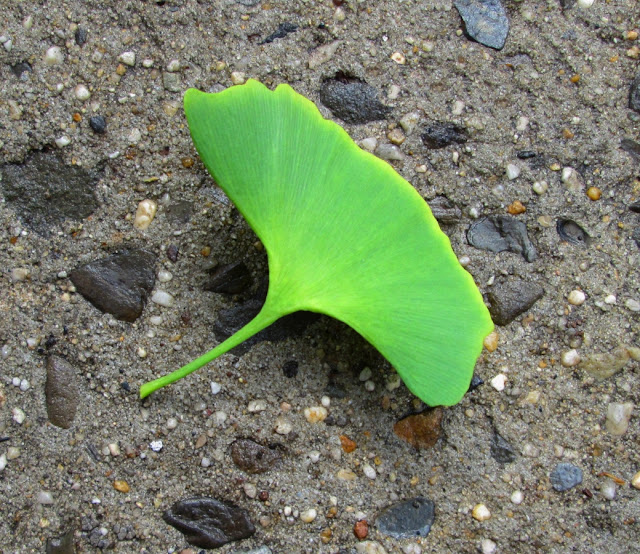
{"type": "Point", "coordinates": [345, 236]}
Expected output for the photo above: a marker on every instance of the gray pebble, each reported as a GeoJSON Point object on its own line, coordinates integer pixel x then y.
{"type": "Point", "coordinates": [171, 81]}
{"type": "Point", "coordinates": [409, 519]}
{"type": "Point", "coordinates": [509, 300]}
{"type": "Point", "coordinates": [441, 134]}
{"type": "Point", "coordinates": [61, 392]}
{"type": "Point", "coordinates": [501, 232]}
{"type": "Point", "coordinates": [352, 99]}
{"type": "Point", "coordinates": [565, 476]}
{"type": "Point", "coordinates": [61, 545]}
{"type": "Point", "coordinates": [252, 457]}
{"type": "Point", "coordinates": [501, 451]}
{"type": "Point", "coordinates": [98, 124]}
{"type": "Point", "coordinates": [634, 94]}
{"type": "Point", "coordinates": [485, 21]}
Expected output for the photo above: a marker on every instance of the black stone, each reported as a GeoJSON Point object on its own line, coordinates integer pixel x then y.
{"type": "Point", "coordinates": [445, 211]}
{"type": "Point", "coordinates": [636, 236]}
{"type": "Point", "coordinates": [21, 69]}
{"type": "Point", "coordinates": [501, 451]}
{"type": "Point", "coordinates": [290, 369]}
{"type": "Point", "coordinates": [46, 191]}
{"type": "Point", "coordinates": [508, 300]}
{"type": "Point", "coordinates": [282, 31]}
{"type": "Point", "coordinates": [98, 124]}
{"type": "Point", "coordinates": [441, 134]}
{"type": "Point", "coordinates": [634, 93]}
{"type": "Point", "coordinates": [408, 519]}
{"type": "Point", "coordinates": [526, 154]}
{"type": "Point", "coordinates": [565, 476]}
{"type": "Point", "coordinates": [497, 233]}
{"type": "Point", "coordinates": [252, 457]}
{"type": "Point", "coordinates": [209, 523]}
{"type": "Point", "coordinates": [172, 253]}
{"type": "Point", "coordinates": [475, 383]}
{"type": "Point", "coordinates": [179, 212]}
{"type": "Point", "coordinates": [485, 21]}
{"type": "Point", "coordinates": [61, 545]}
{"type": "Point", "coordinates": [229, 279]}
{"type": "Point", "coordinates": [118, 285]}
{"type": "Point", "coordinates": [352, 99]}
{"type": "Point", "coordinates": [635, 207]}
{"type": "Point", "coordinates": [632, 147]}
{"type": "Point", "coordinates": [572, 232]}
{"type": "Point", "coordinates": [61, 392]}
{"type": "Point", "coordinates": [81, 36]}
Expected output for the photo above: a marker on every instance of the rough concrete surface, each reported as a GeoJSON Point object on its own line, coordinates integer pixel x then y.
{"type": "Point", "coordinates": [555, 97]}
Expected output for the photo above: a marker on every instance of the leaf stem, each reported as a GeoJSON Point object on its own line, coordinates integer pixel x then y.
{"type": "Point", "coordinates": [265, 317]}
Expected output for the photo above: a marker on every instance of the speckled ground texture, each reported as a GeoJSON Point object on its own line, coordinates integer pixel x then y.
{"type": "Point", "coordinates": [547, 412]}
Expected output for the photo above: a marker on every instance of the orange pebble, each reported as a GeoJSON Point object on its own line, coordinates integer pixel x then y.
{"type": "Point", "coordinates": [347, 444]}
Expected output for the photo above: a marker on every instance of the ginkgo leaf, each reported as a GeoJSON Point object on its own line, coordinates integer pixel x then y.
{"type": "Point", "coordinates": [345, 236]}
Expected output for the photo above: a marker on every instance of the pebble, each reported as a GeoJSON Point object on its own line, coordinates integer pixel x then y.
{"type": "Point", "coordinates": [361, 529]}
{"type": "Point", "coordinates": [3, 462]}
{"type": "Point", "coordinates": [98, 124]}
{"type": "Point", "coordinates": [119, 284]}
{"type": "Point", "coordinates": [54, 56]}
{"type": "Point", "coordinates": [20, 274]}
{"type": "Point", "coordinates": [134, 137]}
{"type": "Point", "coordinates": [512, 298]}
{"type": "Point", "coordinates": [490, 342]}
{"type": "Point", "coordinates": [407, 519]}
{"type": "Point", "coordinates": [18, 415]}
{"type": "Point", "coordinates": [208, 522]}
{"type": "Point", "coordinates": [62, 141]}
{"type": "Point", "coordinates": [501, 451]}
{"type": "Point", "coordinates": [608, 489]}
{"type": "Point", "coordinates": [365, 374]}
{"type": "Point", "coordinates": [389, 152]}
{"type": "Point", "coordinates": [82, 93]}
{"type": "Point", "coordinates": [173, 66]}
{"type": "Point", "coordinates": [618, 416]}
{"type": "Point", "coordinates": [323, 54]}
{"type": "Point", "coordinates": [409, 122]}
{"type": "Point", "coordinates": [576, 297]}
{"type": "Point", "coordinates": [24, 385]}
{"type": "Point", "coordinates": [238, 78]}
{"type": "Point", "coordinates": [156, 446]}
{"type": "Point", "coordinates": [369, 144]}
{"type": "Point", "coordinates": [352, 100]}
{"type": "Point", "coordinates": [634, 93]}
{"type": "Point", "coordinates": [369, 471]}
{"type": "Point", "coordinates": [315, 414]}
{"type": "Point", "coordinates": [286, 28]}
{"type": "Point", "coordinates": [232, 278]}
{"type": "Point", "coordinates": [172, 423]}
{"type": "Point", "coordinates": [632, 305]}
{"type": "Point", "coordinates": [485, 21]}
{"type": "Point", "coordinates": [480, 512]}
{"type": "Point", "coordinates": [121, 486]}
{"type": "Point", "coordinates": [594, 193]}
{"type": "Point", "coordinates": [499, 233]}
{"type": "Point", "coordinates": [171, 81]}
{"type": "Point", "coordinates": [572, 179]}
{"type": "Point", "coordinates": [517, 497]}
{"type": "Point", "coordinates": [163, 299]}
{"type": "Point", "coordinates": [346, 475]}
{"type": "Point", "coordinates": [127, 58]}
{"type": "Point", "coordinates": [441, 134]}
{"type": "Point", "coordinates": [164, 276]}
{"type": "Point", "coordinates": [422, 430]}
{"type": "Point", "coordinates": [114, 449]}
{"type": "Point", "coordinates": [487, 546]}
{"type": "Point", "coordinates": [498, 382]}
{"type": "Point", "coordinates": [308, 515]}
{"type": "Point", "coordinates": [13, 452]}
{"type": "Point", "coordinates": [513, 172]}
{"type": "Point", "coordinates": [565, 476]}
{"type": "Point", "coordinates": [570, 358]}
{"type": "Point", "coordinates": [370, 547]}
{"type": "Point", "coordinates": [250, 490]}
{"type": "Point", "coordinates": [540, 187]}
{"type": "Point", "coordinates": [61, 392]}
{"type": "Point", "coordinates": [572, 232]}
{"type": "Point", "coordinates": [257, 406]}
{"type": "Point", "coordinates": [283, 426]}
{"type": "Point", "coordinates": [635, 481]}
{"type": "Point", "coordinates": [215, 387]}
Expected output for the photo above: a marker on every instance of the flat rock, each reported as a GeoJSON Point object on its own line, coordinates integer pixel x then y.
{"type": "Point", "coordinates": [61, 545]}
{"type": "Point", "coordinates": [501, 451]}
{"type": "Point", "coordinates": [252, 457]}
{"type": "Point", "coordinates": [631, 147]}
{"type": "Point", "coordinates": [352, 100]}
{"type": "Point", "coordinates": [409, 519]}
{"type": "Point", "coordinates": [209, 523]}
{"type": "Point", "coordinates": [45, 191]}
{"type": "Point", "coordinates": [498, 233]}
{"type": "Point", "coordinates": [441, 134]}
{"type": "Point", "coordinates": [634, 93]}
{"type": "Point", "coordinates": [421, 430]}
{"type": "Point", "coordinates": [229, 278]}
{"type": "Point", "coordinates": [118, 285]}
{"type": "Point", "coordinates": [485, 21]}
{"type": "Point", "coordinates": [565, 476]}
{"type": "Point", "coordinates": [61, 392]}
{"type": "Point", "coordinates": [509, 300]}
{"type": "Point", "coordinates": [179, 212]}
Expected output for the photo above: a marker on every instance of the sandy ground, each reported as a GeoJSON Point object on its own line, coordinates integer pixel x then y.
{"type": "Point", "coordinates": [568, 72]}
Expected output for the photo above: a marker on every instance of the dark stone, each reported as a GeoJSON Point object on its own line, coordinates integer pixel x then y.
{"type": "Point", "coordinates": [501, 451]}
{"type": "Point", "coordinates": [98, 124]}
{"type": "Point", "coordinates": [634, 94]}
{"type": "Point", "coordinates": [282, 31]}
{"type": "Point", "coordinates": [567, 4]}
{"type": "Point", "coordinates": [61, 545]}
{"type": "Point", "coordinates": [475, 383]}
{"type": "Point", "coordinates": [407, 519]}
{"type": "Point", "coordinates": [81, 36]}
{"type": "Point", "coordinates": [21, 69]}
{"type": "Point", "coordinates": [252, 457]}
{"type": "Point", "coordinates": [636, 236]}
{"type": "Point", "coordinates": [352, 99]}
{"type": "Point", "coordinates": [572, 232]}
{"type": "Point", "coordinates": [441, 134]}
{"type": "Point", "coordinates": [509, 300]}
{"type": "Point", "coordinates": [229, 279]}
{"type": "Point", "coordinates": [172, 253]}
{"type": "Point", "coordinates": [61, 392]}
{"type": "Point", "coordinates": [209, 523]}
{"type": "Point", "coordinates": [118, 285]}
{"type": "Point", "coordinates": [485, 21]}
{"type": "Point", "coordinates": [422, 430]}
{"type": "Point", "coordinates": [565, 476]}
{"type": "Point", "coordinates": [497, 233]}
{"type": "Point", "coordinates": [290, 369]}
{"type": "Point", "coordinates": [632, 147]}
{"type": "Point", "coordinates": [445, 211]}
{"type": "Point", "coordinates": [526, 154]}
{"type": "Point", "coordinates": [45, 191]}
{"type": "Point", "coordinates": [635, 207]}
{"type": "Point", "coordinates": [179, 212]}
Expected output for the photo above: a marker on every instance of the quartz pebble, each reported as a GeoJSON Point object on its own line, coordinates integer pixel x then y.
{"type": "Point", "coordinates": [127, 58]}
{"type": "Point", "coordinates": [283, 426]}
{"type": "Point", "coordinates": [18, 416]}
{"type": "Point", "coordinates": [570, 358]}
{"type": "Point", "coordinates": [54, 56]}
{"type": "Point", "coordinates": [635, 481]}
{"type": "Point", "coordinates": [480, 512]}
{"type": "Point", "coordinates": [63, 141]}
{"type": "Point", "coordinates": [498, 382]}
{"type": "Point", "coordinates": [608, 490]}
{"type": "Point", "coordinates": [156, 446]}
{"type": "Point", "coordinates": [488, 546]}
{"type": "Point", "coordinates": [257, 406]}
{"type": "Point", "coordinates": [308, 515]}
{"type": "Point", "coordinates": [576, 297]}
{"type": "Point", "coordinates": [82, 93]}
{"type": "Point", "coordinates": [315, 414]}
{"type": "Point", "coordinates": [163, 298]}
{"type": "Point", "coordinates": [618, 416]}
{"type": "Point", "coordinates": [540, 187]}
{"type": "Point", "coordinates": [368, 471]}
{"type": "Point", "coordinates": [44, 497]}
{"type": "Point", "coordinates": [145, 213]}
{"type": "Point", "coordinates": [517, 497]}
{"type": "Point", "coordinates": [513, 172]}
{"type": "Point", "coordinates": [3, 462]}
{"type": "Point", "coordinates": [632, 305]}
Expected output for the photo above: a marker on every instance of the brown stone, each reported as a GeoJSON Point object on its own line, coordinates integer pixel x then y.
{"type": "Point", "coordinates": [421, 430]}
{"type": "Point", "coordinates": [361, 529]}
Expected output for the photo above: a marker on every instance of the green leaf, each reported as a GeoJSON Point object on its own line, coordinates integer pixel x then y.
{"type": "Point", "coordinates": [345, 235]}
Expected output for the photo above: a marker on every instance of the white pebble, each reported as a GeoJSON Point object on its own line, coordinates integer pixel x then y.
{"type": "Point", "coordinates": [163, 298]}
{"type": "Point", "coordinates": [15, 381]}
{"type": "Point", "coordinates": [82, 92]}
{"type": "Point", "coordinates": [608, 490]}
{"type": "Point", "coordinates": [513, 172]}
{"type": "Point", "coordinates": [488, 546]}
{"type": "Point", "coordinates": [308, 515]}
{"type": "Point", "coordinates": [325, 401]}
{"type": "Point", "coordinates": [287, 511]}
{"type": "Point", "coordinates": [464, 261]}
{"type": "Point", "coordinates": [156, 446]}
{"type": "Point", "coordinates": [570, 358]}
{"type": "Point", "coordinates": [517, 497]}
{"type": "Point", "coordinates": [135, 135]}
{"type": "Point", "coordinates": [632, 305]}
{"type": "Point", "coordinates": [18, 416]}
{"type": "Point", "coordinates": [24, 385]}
{"type": "Point", "coordinates": [63, 141]}
{"type": "Point", "coordinates": [369, 386]}
{"type": "Point", "coordinates": [368, 471]}
{"type": "Point", "coordinates": [369, 144]}
{"type": "Point", "coordinates": [283, 426]}
{"type": "Point", "coordinates": [127, 58]}
{"type": "Point", "coordinates": [618, 416]}
{"type": "Point", "coordinates": [164, 276]}
{"type": "Point", "coordinates": [215, 387]}
{"type": "Point", "coordinates": [498, 382]}
{"type": "Point", "coordinates": [54, 56]}
{"type": "Point", "coordinates": [238, 78]}
{"type": "Point", "coordinates": [457, 108]}
{"type": "Point", "coordinates": [173, 66]}
{"type": "Point", "coordinates": [365, 374]}
{"type": "Point", "coordinates": [576, 297]}
{"type": "Point", "coordinates": [155, 320]}
{"type": "Point", "coordinates": [540, 187]}
{"type": "Point", "coordinates": [315, 414]}
{"type": "Point", "coordinates": [220, 417]}
{"type": "Point", "coordinates": [172, 423]}
{"type": "Point", "coordinates": [114, 449]}
{"type": "Point", "coordinates": [393, 382]}
{"type": "Point", "coordinates": [142, 353]}
{"type": "Point", "coordinates": [13, 452]}
{"type": "Point", "coordinates": [257, 406]}
{"type": "Point", "coordinates": [481, 512]}
{"type": "Point", "coordinates": [409, 122]}
{"type": "Point", "coordinates": [205, 462]}
{"type": "Point", "coordinates": [3, 461]}
{"type": "Point", "coordinates": [250, 490]}
{"type": "Point", "coordinates": [610, 299]}
{"type": "Point", "coordinates": [522, 123]}
{"type": "Point", "coordinates": [635, 481]}
{"type": "Point", "coordinates": [147, 62]}
{"type": "Point", "coordinates": [145, 213]}
{"type": "Point", "coordinates": [314, 456]}
{"type": "Point", "coordinates": [585, 3]}
{"type": "Point", "coordinates": [44, 497]}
